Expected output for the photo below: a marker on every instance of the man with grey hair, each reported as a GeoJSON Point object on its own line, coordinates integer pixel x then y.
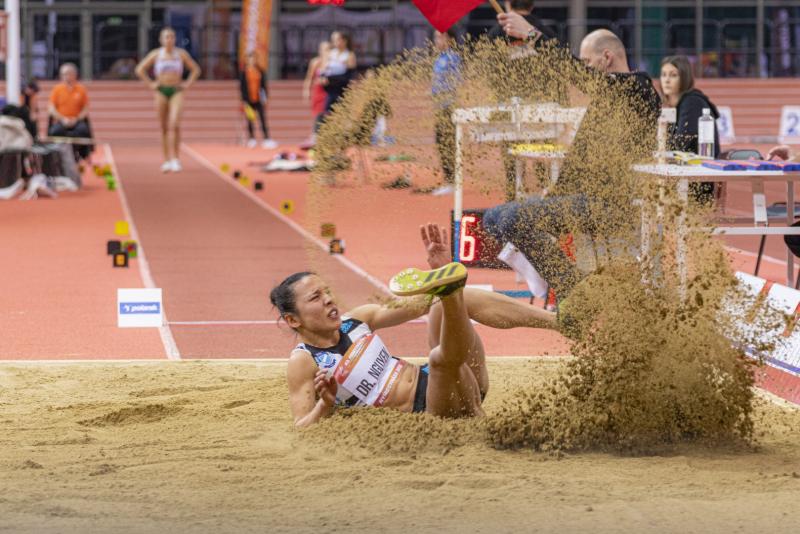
{"type": "Point", "coordinates": [69, 107]}
{"type": "Point", "coordinates": [581, 195]}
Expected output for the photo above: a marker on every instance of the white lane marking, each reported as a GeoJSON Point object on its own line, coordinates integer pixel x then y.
{"type": "Point", "coordinates": [748, 254]}
{"type": "Point", "coordinates": [296, 227]}
{"type": "Point", "coordinates": [170, 347]}
{"type": "Point", "coordinates": [225, 361]}
{"type": "Point", "coordinates": [256, 322]}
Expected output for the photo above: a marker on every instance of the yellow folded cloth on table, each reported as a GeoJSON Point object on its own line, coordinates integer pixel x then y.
{"type": "Point", "coordinates": [686, 158]}
{"type": "Point", "coordinates": [537, 147]}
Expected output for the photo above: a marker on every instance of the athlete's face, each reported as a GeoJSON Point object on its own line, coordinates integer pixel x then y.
{"type": "Point", "coordinates": [670, 79]}
{"type": "Point", "coordinates": [167, 38]}
{"type": "Point", "coordinates": [316, 309]}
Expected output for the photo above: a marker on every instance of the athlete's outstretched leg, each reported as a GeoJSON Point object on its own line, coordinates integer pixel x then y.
{"type": "Point", "coordinates": [501, 311]}
{"type": "Point", "coordinates": [175, 110]}
{"type": "Point", "coordinates": [162, 106]}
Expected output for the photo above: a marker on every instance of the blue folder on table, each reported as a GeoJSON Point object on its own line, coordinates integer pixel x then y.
{"type": "Point", "coordinates": [723, 165]}
{"type": "Point", "coordinates": [787, 166]}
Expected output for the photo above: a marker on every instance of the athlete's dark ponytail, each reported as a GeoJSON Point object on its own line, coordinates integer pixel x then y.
{"type": "Point", "coordinates": [282, 296]}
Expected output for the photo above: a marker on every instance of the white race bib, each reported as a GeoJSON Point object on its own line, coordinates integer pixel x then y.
{"type": "Point", "coordinates": [368, 371]}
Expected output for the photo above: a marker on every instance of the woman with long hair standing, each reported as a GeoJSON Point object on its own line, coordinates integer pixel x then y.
{"type": "Point", "coordinates": [313, 92]}
{"type": "Point", "coordinates": [340, 66]}
{"type": "Point", "coordinates": [168, 63]}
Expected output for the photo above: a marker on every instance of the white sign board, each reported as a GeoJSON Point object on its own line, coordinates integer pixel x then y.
{"type": "Point", "coordinates": [139, 308]}
{"type": "Point", "coordinates": [727, 134]}
{"type": "Point", "coordinates": [790, 125]}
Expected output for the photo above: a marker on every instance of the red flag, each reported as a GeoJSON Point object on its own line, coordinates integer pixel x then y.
{"type": "Point", "coordinates": [442, 14]}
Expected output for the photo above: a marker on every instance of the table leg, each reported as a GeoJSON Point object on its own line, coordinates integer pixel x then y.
{"type": "Point", "coordinates": [458, 195]}
{"type": "Point", "coordinates": [683, 233]}
{"type": "Point", "coordinates": [555, 170]}
{"type": "Point", "coordinates": [789, 222]}
{"type": "Point", "coordinates": [647, 229]}
{"type": "Point", "coordinates": [759, 203]}
{"type": "Point", "coordinates": [518, 186]}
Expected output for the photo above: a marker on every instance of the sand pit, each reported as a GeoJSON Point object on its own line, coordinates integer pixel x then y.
{"type": "Point", "coordinates": [209, 447]}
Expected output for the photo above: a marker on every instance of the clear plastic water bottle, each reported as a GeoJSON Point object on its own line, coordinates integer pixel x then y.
{"type": "Point", "coordinates": [705, 134]}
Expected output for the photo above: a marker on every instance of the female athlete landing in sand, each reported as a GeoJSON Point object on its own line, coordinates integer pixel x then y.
{"type": "Point", "coordinates": [168, 63]}
{"type": "Point", "coordinates": [341, 362]}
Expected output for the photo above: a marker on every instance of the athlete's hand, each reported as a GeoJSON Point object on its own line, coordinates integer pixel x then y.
{"type": "Point", "coordinates": [325, 387]}
{"type": "Point", "coordinates": [514, 25]}
{"type": "Point", "coordinates": [781, 152]}
{"type": "Point", "coordinates": [436, 245]}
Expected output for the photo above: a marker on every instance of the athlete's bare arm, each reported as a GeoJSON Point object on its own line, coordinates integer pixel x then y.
{"type": "Point", "coordinates": [191, 64]}
{"type": "Point", "coordinates": [394, 313]}
{"type": "Point", "coordinates": [144, 66]}
{"type": "Point", "coordinates": [312, 394]}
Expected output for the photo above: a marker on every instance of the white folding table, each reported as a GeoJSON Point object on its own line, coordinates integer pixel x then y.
{"type": "Point", "coordinates": [681, 175]}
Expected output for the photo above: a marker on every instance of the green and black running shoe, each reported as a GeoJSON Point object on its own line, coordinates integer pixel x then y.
{"type": "Point", "coordinates": [438, 282]}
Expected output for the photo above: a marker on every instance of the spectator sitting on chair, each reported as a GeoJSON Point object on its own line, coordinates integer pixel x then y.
{"type": "Point", "coordinates": [69, 107]}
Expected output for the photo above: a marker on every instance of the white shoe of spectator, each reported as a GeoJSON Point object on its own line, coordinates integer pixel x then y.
{"type": "Point", "coordinates": [166, 166]}
{"type": "Point", "coordinates": [64, 183]}
{"type": "Point", "coordinates": [9, 192]}
{"type": "Point", "coordinates": [252, 143]}
{"type": "Point", "coordinates": [176, 165]}
{"type": "Point", "coordinates": [269, 144]}
{"type": "Point", "coordinates": [37, 185]}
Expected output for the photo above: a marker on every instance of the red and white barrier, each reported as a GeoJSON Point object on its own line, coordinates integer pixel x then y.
{"type": "Point", "coordinates": [781, 373]}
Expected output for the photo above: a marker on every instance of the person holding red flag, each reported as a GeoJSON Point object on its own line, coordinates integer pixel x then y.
{"type": "Point", "coordinates": [442, 14]}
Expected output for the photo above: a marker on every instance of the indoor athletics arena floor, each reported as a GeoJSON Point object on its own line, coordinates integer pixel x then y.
{"type": "Point", "coordinates": [187, 428]}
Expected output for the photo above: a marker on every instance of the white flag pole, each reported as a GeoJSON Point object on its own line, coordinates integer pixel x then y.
{"type": "Point", "coordinates": [12, 52]}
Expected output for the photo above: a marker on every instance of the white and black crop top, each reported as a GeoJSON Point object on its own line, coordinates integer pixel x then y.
{"type": "Point", "coordinates": [368, 375]}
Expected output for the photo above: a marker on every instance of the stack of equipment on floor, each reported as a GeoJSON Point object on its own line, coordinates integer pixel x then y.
{"type": "Point", "coordinates": [121, 251]}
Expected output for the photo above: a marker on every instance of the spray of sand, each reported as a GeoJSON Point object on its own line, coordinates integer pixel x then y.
{"type": "Point", "coordinates": [657, 361]}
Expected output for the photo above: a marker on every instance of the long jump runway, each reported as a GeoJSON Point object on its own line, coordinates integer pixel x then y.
{"type": "Point", "coordinates": [216, 253]}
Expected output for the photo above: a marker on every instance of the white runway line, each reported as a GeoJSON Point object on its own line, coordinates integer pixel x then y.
{"type": "Point", "coordinates": [256, 322]}
{"type": "Point", "coordinates": [293, 225]}
{"type": "Point", "coordinates": [170, 347]}
{"type": "Point", "coordinates": [224, 361]}
{"type": "Point", "coordinates": [764, 257]}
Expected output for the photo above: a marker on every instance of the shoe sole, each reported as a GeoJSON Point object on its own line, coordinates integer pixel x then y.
{"type": "Point", "coordinates": [414, 281]}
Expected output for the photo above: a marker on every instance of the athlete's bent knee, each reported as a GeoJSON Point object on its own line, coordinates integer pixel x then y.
{"type": "Point", "coordinates": [438, 361]}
